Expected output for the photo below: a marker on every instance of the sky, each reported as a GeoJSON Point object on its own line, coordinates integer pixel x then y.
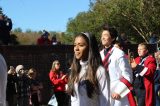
{"type": "Point", "coordinates": [51, 15]}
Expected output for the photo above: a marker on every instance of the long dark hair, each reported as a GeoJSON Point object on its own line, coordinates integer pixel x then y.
{"type": "Point", "coordinates": [94, 61]}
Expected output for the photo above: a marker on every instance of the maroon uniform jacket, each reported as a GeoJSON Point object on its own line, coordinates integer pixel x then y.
{"type": "Point", "coordinates": [146, 70]}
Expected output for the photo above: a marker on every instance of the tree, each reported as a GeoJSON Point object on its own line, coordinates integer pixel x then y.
{"type": "Point", "coordinates": [29, 31]}
{"type": "Point", "coordinates": [138, 19]}
{"type": "Point", "coordinates": [140, 16]}
{"type": "Point", "coordinates": [17, 30]}
{"type": "Point", "coordinates": [66, 38]}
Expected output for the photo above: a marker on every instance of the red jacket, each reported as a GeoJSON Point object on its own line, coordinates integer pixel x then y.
{"type": "Point", "coordinates": [43, 41]}
{"type": "Point", "coordinates": [147, 71]}
{"type": "Point", "coordinates": [58, 83]}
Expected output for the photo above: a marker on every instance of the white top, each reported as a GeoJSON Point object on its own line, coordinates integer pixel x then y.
{"type": "Point", "coordinates": [118, 67]}
{"type": "Point", "coordinates": [81, 98]}
{"type": "Point", "coordinates": [3, 81]}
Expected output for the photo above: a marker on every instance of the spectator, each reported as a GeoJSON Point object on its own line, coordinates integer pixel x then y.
{"type": "Point", "coordinates": [12, 87]}
{"type": "Point", "coordinates": [5, 28]}
{"type": "Point", "coordinates": [59, 81]}
{"type": "Point", "coordinates": [44, 40]}
{"type": "Point", "coordinates": [157, 79]}
{"type": "Point", "coordinates": [118, 67]}
{"type": "Point", "coordinates": [69, 64]}
{"type": "Point", "coordinates": [88, 81]}
{"type": "Point", "coordinates": [23, 86]}
{"type": "Point", "coordinates": [123, 39]}
{"type": "Point", "coordinates": [118, 45]}
{"type": "Point", "coordinates": [153, 39]}
{"type": "Point", "coordinates": [157, 56]}
{"type": "Point", "coordinates": [35, 87]}
{"type": "Point", "coordinates": [144, 67]}
{"type": "Point", "coordinates": [54, 40]}
{"type": "Point", "coordinates": [3, 81]}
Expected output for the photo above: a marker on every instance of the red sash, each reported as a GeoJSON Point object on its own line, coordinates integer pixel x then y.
{"type": "Point", "coordinates": [130, 96]}
{"type": "Point", "coordinates": [105, 61]}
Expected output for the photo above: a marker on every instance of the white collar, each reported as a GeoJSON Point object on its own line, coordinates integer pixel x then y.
{"type": "Point", "coordinates": [83, 63]}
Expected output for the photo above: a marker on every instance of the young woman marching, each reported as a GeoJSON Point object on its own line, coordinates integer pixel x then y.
{"type": "Point", "coordinates": [88, 81]}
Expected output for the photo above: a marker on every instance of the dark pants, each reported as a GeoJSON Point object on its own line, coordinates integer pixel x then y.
{"type": "Point", "coordinates": [23, 101]}
{"type": "Point", "coordinates": [68, 100]}
{"type": "Point", "coordinates": [12, 100]}
{"type": "Point", "coordinates": [34, 99]}
{"type": "Point", "coordinates": [140, 95]}
{"type": "Point", "coordinates": [157, 98]}
{"type": "Point", "coordinates": [61, 98]}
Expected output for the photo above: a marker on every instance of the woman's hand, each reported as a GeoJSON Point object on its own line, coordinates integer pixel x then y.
{"type": "Point", "coordinates": [133, 64]}
{"type": "Point", "coordinates": [64, 76]}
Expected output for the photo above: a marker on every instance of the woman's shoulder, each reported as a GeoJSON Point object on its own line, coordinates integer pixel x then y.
{"type": "Point", "coordinates": [52, 72]}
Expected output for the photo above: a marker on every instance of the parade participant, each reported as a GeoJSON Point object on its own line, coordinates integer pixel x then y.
{"type": "Point", "coordinates": [144, 67]}
{"type": "Point", "coordinates": [88, 81]}
{"type": "Point", "coordinates": [119, 69]}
